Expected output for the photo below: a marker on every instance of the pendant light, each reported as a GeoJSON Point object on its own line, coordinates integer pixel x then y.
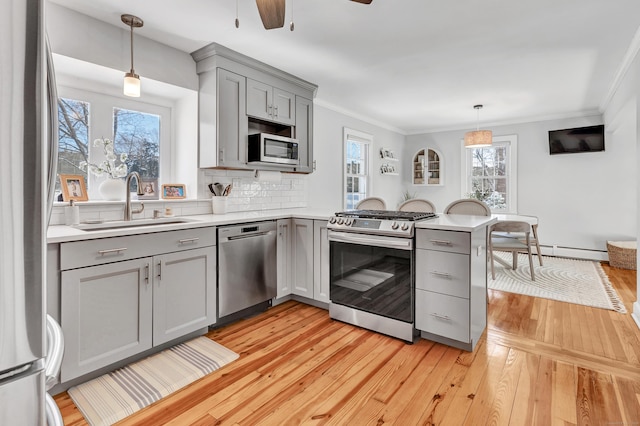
{"type": "Point", "coordinates": [131, 79]}
{"type": "Point", "coordinates": [478, 138]}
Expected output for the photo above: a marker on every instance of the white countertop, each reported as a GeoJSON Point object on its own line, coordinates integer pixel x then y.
{"type": "Point", "coordinates": [456, 222]}
{"type": "Point", "coordinates": [62, 233]}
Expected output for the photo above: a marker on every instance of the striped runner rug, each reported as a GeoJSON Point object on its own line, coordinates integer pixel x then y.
{"type": "Point", "coordinates": [116, 395]}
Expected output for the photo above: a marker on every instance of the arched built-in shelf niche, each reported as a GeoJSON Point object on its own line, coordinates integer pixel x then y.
{"type": "Point", "coordinates": [427, 168]}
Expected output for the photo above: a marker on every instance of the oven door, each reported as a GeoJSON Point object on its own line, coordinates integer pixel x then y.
{"type": "Point", "coordinates": [372, 273]}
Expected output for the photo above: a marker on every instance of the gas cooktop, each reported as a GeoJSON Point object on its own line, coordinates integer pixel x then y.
{"type": "Point", "coordinates": [378, 222]}
{"type": "Point", "coordinates": [387, 215]}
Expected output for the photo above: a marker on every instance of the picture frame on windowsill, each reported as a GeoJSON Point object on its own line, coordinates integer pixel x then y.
{"type": "Point", "coordinates": [73, 188]}
{"type": "Point", "coordinates": [174, 191]}
{"type": "Point", "coordinates": [150, 189]}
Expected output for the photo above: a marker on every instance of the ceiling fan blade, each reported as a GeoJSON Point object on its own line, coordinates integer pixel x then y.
{"type": "Point", "coordinates": [271, 13]}
{"type": "Point", "coordinates": [362, 1]}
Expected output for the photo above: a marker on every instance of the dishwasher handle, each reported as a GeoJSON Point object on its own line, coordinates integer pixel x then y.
{"type": "Point", "coordinates": [245, 236]}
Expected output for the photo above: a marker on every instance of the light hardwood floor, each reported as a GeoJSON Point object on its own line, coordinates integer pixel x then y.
{"type": "Point", "coordinates": [540, 362]}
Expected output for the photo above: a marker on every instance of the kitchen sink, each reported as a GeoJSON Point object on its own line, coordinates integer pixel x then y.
{"type": "Point", "coordinates": [122, 224]}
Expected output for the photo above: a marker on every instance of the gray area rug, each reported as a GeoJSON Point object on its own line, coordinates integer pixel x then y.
{"type": "Point", "coordinates": [581, 282]}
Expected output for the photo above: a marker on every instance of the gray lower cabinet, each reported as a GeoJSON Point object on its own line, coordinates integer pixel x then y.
{"type": "Point", "coordinates": [184, 294]}
{"type": "Point", "coordinates": [106, 315]}
{"type": "Point", "coordinates": [302, 257]}
{"type": "Point", "coordinates": [283, 255]}
{"type": "Point", "coordinates": [320, 261]}
{"type": "Point", "coordinates": [120, 308]}
{"type": "Point", "coordinates": [451, 286]}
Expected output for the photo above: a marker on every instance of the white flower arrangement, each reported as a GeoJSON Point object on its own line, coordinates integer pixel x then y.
{"type": "Point", "coordinates": [108, 166]}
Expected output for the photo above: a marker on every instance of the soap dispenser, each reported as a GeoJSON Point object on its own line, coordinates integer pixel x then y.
{"type": "Point", "coordinates": [72, 214]}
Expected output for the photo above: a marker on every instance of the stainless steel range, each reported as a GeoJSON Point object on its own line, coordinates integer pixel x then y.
{"type": "Point", "coordinates": [372, 269]}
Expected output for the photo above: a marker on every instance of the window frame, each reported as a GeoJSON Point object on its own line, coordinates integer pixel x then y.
{"type": "Point", "coordinates": [101, 107]}
{"type": "Point", "coordinates": [511, 143]}
{"type": "Point", "coordinates": [367, 140]}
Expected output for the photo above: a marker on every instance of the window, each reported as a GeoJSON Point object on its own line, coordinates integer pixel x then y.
{"type": "Point", "coordinates": [491, 174]}
{"type": "Point", "coordinates": [356, 167]}
{"type": "Point", "coordinates": [139, 130]}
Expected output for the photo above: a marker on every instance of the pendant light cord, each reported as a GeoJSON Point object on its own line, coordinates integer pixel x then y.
{"type": "Point", "coordinates": [132, 70]}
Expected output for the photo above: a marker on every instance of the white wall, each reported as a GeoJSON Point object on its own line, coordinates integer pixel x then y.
{"type": "Point", "coordinates": [581, 200]}
{"type": "Point", "coordinates": [325, 184]}
{"type": "Point", "coordinates": [624, 112]}
{"type": "Point", "coordinates": [81, 37]}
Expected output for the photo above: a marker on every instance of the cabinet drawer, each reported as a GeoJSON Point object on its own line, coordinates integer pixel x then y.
{"type": "Point", "coordinates": [446, 273]}
{"type": "Point", "coordinates": [106, 250]}
{"type": "Point", "coordinates": [451, 241]}
{"type": "Point", "coordinates": [446, 316]}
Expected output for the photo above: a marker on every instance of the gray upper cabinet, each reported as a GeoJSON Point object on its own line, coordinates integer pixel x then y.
{"type": "Point", "coordinates": [239, 96]}
{"type": "Point", "coordinates": [232, 122]}
{"type": "Point", "coordinates": [223, 128]}
{"type": "Point", "coordinates": [304, 133]}
{"type": "Point", "coordinates": [270, 103]}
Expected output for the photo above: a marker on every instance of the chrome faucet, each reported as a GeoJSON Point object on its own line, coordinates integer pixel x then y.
{"type": "Point", "coordinates": [127, 205]}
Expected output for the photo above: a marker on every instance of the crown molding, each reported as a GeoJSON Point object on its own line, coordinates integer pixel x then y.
{"type": "Point", "coordinates": [349, 113]}
{"type": "Point", "coordinates": [512, 121]}
{"type": "Point", "coordinates": [623, 69]}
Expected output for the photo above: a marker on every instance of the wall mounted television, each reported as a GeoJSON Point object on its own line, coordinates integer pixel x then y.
{"type": "Point", "coordinates": [579, 139]}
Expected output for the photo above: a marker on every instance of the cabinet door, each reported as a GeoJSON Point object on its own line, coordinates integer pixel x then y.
{"type": "Point", "coordinates": [284, 107]}
{"type": "Point", "coordinates": [304, 133]}
{"type": "Point", "coordinates": [320, 261]}
{"type": "Point", "coordinates": [302, 254]}
{"type": "Point", "coordinates": [106, 315]}
{"type": "Point", "coordinates": [184, 293]}
{"type": "Point", "coordinates": [284, 257]}
{"type": "Point", "coordinates": [232, 120]}
{"type": "Point", "coordinates": [259, 99]}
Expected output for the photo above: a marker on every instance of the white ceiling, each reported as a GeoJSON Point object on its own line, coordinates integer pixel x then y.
{"type": "Point", "coordinates": [416, 65]}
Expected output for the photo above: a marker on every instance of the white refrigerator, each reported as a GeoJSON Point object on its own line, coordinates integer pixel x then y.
{"type": "Point", "coordinates": [27, 111]}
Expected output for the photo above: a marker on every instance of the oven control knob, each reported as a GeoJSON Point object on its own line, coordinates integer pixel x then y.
{"type": "Point", "coordinates": [340, 221]}
{"type": "Point", "coordinates": [394, 225]}
{"type": "Point", "coordinates": [348, 222]}
{"type": "Point", "coordinates": [404, 227]}
{"type": "Point", "coordinates": [332, 219]}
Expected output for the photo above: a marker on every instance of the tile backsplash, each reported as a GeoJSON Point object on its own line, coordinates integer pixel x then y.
{"type": "Point", "coordinates": [266, 191]}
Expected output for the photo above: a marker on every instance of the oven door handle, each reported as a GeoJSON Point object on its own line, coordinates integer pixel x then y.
{"type": "Point", "coordinates": [372, 240]}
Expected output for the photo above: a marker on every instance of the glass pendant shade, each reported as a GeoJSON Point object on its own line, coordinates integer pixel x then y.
{"type": "Point", "coordinates": [131, 79]}
{"type": "Point", "coordinates": [478, 138]}
{"type": "Point", "coordinates": [132, 85]}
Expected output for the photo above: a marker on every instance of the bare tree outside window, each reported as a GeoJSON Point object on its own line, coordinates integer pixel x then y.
{"type": "Point", "coordinates": [73, 137]}
{"type": "Point", "coordinates": [489, 176]}
{"type": "Point", "coordinates": [138, 135]}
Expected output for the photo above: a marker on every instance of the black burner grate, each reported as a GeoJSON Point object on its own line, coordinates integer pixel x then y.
{"type": "Point", "coordinates": [387, 215]}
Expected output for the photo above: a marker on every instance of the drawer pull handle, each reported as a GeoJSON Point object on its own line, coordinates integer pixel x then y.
{"type": "Point", "coordinates": [188, 240]}
{"type": "Point", "coordinates": [146, 274]}
{"type": "Point", "coordinates": [442, 317]}
{"type": "Point", "coordinates": [111, 251]}
{"type": "Point", "coordinates": [442, 242]}
{"type": "Point", "coordinates": [441, 274]}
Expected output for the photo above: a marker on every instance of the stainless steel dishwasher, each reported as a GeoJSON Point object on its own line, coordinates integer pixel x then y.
{"type": "Point", "coordinates": [246, 266]}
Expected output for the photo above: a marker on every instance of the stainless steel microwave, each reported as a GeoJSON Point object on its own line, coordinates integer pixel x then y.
{"type": "Point", "coordinates": [266, 148]}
